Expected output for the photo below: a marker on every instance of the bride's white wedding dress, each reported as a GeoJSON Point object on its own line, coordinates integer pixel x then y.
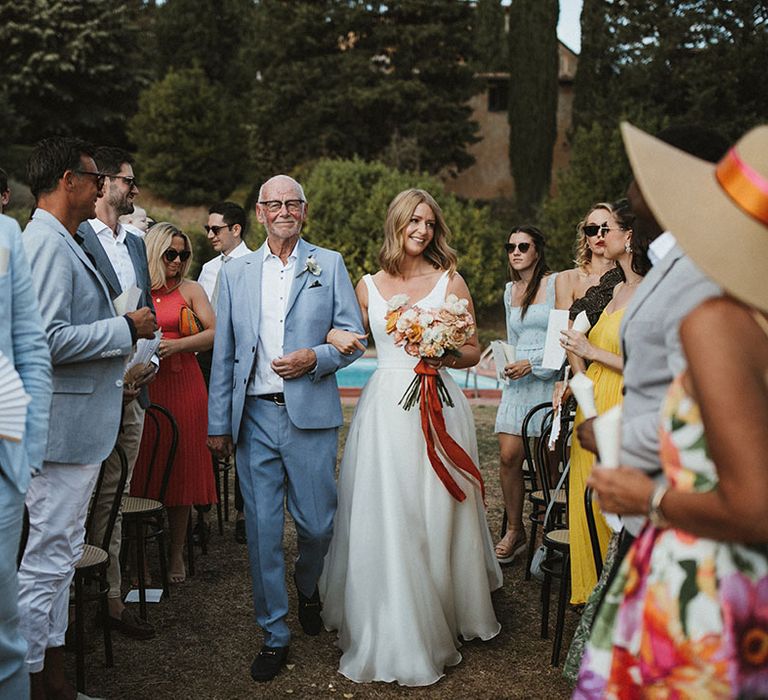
{"type": "Point", "coordinates": [410, 569]}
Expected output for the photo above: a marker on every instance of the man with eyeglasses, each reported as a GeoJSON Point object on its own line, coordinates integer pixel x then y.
{"type": "Point", "coordinates": [226, 229]}
{"type": "Point", "coordinates": [121, 259]}
{"type": "Point", "coordinates": [273, 393]}
{"type": "Point", "coordinates": [89, 345]}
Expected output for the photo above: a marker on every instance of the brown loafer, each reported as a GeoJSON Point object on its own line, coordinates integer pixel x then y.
{"type": "Point", "coordinates": [131, 625]}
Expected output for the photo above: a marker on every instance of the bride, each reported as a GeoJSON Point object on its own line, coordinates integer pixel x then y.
{"type": "Point", "coordinates": [410, 569]}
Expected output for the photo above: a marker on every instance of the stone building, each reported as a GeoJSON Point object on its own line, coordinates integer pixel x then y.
{"type": "Point", "coordinates": [490, 177]}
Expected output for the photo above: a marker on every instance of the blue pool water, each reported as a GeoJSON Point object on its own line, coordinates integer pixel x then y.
{"type": "Point", "coordinates": [359, 371]}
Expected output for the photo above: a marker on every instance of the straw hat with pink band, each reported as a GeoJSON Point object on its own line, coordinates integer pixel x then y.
{"type": "Point", "coordinates": [718, 213]}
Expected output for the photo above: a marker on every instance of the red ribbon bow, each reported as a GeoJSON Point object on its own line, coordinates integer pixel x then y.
{"type": "Point", "coordinates": [433, 426]}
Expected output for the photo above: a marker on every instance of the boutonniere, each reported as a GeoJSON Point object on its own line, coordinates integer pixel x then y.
{"type": "Point", "coordinates": [312, 266]}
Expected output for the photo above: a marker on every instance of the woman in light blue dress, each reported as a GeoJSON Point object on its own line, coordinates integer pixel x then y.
{"type": "Point", "coordinates": [528, 299]}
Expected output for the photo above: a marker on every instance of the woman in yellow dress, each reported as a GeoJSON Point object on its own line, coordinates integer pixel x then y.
{"type": "Point", "coordinates": [602, 350]}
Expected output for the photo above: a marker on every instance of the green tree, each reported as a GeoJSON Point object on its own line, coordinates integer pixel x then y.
{"type": "Point", "coordinates": [69, 67]}
{"type": "Point", "coordinates": [210, 34]}
{"type": "Point", "coordinates": [189, 147]}
{"type": "Point", "coordinates": [358, 79]}
{"type": "Point", "coordinates": [533, 52]}
{"type": "Point", "coordinates": [701, 60]}
{"type": "Point", "coordinates": [489, 37]}
{"type": "Point", "coordinates": [591, 98]}
{"type": "Point", "coordinates": [348, 204]}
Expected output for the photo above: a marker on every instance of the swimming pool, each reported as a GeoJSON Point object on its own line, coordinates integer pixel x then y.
{"type": "Point", "coordinates": [357, 374]}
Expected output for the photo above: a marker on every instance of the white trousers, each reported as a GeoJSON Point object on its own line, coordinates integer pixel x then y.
{"type": "Point", "coordinates": [57, 500]}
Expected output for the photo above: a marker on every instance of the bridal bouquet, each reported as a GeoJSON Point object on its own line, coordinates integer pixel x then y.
{"type": "Point", "coordinates": [433, 333]}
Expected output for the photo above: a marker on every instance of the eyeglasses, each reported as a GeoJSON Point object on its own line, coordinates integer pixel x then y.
{"type": "Point", "coordinates": [171, 254]}
{"type": "Point", "coordinates": [100, 177]}
{"type": "Point", "coordinates": [522, 247]}
{"type": "Point", "coordinates": [591, 230]}
{"type": "Point", "coordinates": [130, 181]}
{"type": "Point", "coordinates": [275, 205]}
{"type": "Point", "coordinates": [215, 229]}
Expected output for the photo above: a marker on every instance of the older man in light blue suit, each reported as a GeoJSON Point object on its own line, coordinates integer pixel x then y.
{"type": "Point", "coordinates": [273, 392]}
{"type": "Point", "coordinates": [89, 345]}
{"type": "Point", "coordinates": [22, 341]}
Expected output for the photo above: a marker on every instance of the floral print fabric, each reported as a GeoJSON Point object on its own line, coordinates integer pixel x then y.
{"type": "Point", "coordinates": [685, 617]}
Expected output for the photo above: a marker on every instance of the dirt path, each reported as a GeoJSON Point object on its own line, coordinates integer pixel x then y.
{"type": "Point", "coordinates": [206, 637]}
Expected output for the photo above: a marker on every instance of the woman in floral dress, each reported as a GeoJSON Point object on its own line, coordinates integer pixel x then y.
{"type": "Point", "coordinates": [687, 614]}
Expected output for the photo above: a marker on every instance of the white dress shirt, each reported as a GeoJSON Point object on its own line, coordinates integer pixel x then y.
{"type": "Point", "coordinates": [117, 252]}
{"type": "Point", "coordinates": [658, 248]}
{"type": "Point", "coordinates": [276, 281]}
{"type": "Point", "coordinates": [210, 270]}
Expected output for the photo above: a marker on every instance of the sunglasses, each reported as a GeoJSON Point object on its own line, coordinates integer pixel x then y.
{"type": "Point", "coordinates": [215, 229]}
{"type": "Point", "coordinates": [171, 254]}
{"type": "Point", "coordinates": [591, 230]}
{"type": "Point", "coordinates": [522, 247]}
{"type": "Point", "coordinates": [130, 181]}
{"type": "Point", "coordinates": [99, 177]}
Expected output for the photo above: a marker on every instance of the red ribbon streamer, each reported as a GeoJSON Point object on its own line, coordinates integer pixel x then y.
{"type": "Point", "coordinates": [433, 423]}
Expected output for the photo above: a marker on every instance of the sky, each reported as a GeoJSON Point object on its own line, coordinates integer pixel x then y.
{"type": "Point", "coordinates": [569, 26]}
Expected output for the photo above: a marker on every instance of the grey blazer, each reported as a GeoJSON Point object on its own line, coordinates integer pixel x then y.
{"type": "Point", "coordinates": [138, 253]}
{"type": "Point", "coordinates": [653, 356]}
{"type": "Point", "coordinates": [88, 344]}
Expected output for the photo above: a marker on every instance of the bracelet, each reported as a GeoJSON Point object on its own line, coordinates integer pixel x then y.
{"type": "Point", "coordinates": [655, 514]}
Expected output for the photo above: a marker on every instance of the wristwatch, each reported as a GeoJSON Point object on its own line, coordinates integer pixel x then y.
{"type": "Point", "coordinates": [655, 514]}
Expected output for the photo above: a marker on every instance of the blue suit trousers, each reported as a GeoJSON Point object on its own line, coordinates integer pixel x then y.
{"type": "Point", "coordinates": [14, 677]}
{"type": "Point", "coordinates": [279, 463]}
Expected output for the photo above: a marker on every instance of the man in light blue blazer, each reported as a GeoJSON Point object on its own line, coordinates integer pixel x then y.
{"type": "Point", "coordinates": [22, 341]}
{"type": "Point", "coordinates": [88, 346]}
{"type": "Point", "coordinates": [273, 392]}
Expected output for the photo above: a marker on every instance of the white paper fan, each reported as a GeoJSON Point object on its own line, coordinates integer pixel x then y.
{"type": "Point", "coordinates": [13, 402]}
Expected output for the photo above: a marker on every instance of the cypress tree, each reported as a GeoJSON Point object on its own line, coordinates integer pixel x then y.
{"type": "Point", "coordinates": [533, 51]}
{"type": "Point", "coordinates": [593, 82]}
{"type": "Point", "coordinates": [489, 37]}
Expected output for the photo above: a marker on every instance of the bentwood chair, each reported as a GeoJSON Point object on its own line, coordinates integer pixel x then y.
{"type": "Point", "coordinates": [529, 446]}
{"type": "Point", "coordinates": [221, 470]}
{"type": "Point", "coordinates": [144, 517]}
{"type": "Point", "coordinates": [93, 567]}
{"type": "Point", "coordinates": [541, 463]}
{"type": "Point", "coordinates": [592, 529]}
{"type": "Point", "coordinates": [557, 563]}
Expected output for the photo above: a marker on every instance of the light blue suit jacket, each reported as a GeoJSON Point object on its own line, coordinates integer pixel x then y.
{"type": "Point", "coordinates": [315, 305]}
{"type": "Point", "coordinates": [88, 344]}
{"type": "Point", "coordinates": [22, 341]}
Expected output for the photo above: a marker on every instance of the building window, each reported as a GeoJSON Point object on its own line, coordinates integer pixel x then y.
{"type": "Point", "coordinates": [498, 96]}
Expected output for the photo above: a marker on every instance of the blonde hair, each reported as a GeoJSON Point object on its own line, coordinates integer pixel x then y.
{"type": "Point", "coordinates": [158, 240]}
{"type": "Point", "coordinates": [399, 213]}
{"type": "Point", "coordinates": [583, 251]}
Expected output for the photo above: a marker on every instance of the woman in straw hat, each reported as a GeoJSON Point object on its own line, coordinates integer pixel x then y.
{"type": "Point", "coordinates": [687, 614]}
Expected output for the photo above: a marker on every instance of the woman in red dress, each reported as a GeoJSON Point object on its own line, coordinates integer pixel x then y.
{"type": "Point", "coordinates": [179, 387]}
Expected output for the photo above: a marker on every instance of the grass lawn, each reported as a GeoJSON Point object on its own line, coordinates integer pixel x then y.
{"type": "Point", "coordinates": [206, 637]}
